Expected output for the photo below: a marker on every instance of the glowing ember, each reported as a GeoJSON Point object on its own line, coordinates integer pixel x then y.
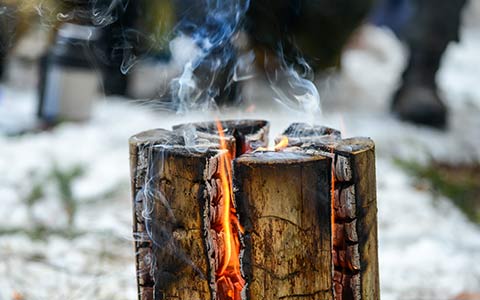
{"type": "Point", "coordinates": [228, 276]}
{"type": "Point", "coordinates": [278, 147]}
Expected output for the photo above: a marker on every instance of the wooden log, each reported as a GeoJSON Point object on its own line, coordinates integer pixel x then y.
{"type": "Point", "coordinates": [140, 146]}
{"type": "Point", "coordinates": [355, 241]}
{"type": "Point", "coordinates": [355, 246]}
{"type": "Point", "coordinates": [169, 189]}
{"type": "Point", "coordinates": [178, 203]}
{"type": "Point", "coordinates": [283, 202]}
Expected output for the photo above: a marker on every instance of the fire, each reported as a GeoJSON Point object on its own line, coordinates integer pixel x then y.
{"type": "Point", "coordinates": [228, 276]}
{"type": "Point", "coordinates": [278, 147]}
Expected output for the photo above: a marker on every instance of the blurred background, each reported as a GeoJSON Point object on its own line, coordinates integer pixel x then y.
{"type": "Point", "coordinates": [79, 77]}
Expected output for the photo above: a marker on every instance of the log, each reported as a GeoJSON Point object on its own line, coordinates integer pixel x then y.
{"type": "Point", "coordinates": [169, 192]}
{"type": "Point", "coordinates": [356, 215]}
{"type": "Point", "coordinates": [283, 202]}
{"type": "Point", "coordinates": [355, 242]}
{"type": "Point", "coordinates": [303, 219]}
{"type": "Point", "coordinates": [178, 199]}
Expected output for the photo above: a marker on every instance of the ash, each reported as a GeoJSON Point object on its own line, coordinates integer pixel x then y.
{"type": "Point", "coordinates": [65, 218]}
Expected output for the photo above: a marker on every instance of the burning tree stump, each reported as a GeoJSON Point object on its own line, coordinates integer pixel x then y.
{"type": "Point", "coordinates": [219, 216]}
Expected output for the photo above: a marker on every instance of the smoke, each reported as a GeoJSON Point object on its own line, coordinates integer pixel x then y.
{"type": "Point", "coordinates": [199, 87]}
{"type": "Point", "coordinates": [295, 90]}
{"type": "Point", "coordinates": [211, 25]}
{"type": "Point", "coordinates": [204, 50]}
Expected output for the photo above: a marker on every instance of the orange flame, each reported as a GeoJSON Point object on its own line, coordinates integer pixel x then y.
{"type": "Point", "coordinates": [278, 147]}
{"type": "Point", "coordinates": [229, 279]}
{"type": "Point", "coordinates": [282, 144]}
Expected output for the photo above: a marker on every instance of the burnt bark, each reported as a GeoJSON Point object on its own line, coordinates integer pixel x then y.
{"type": "Point", "coordinates": [355, 248]}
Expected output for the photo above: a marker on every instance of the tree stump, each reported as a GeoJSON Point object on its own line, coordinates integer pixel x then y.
{"type": "Point", "coordinates": [217, 218]}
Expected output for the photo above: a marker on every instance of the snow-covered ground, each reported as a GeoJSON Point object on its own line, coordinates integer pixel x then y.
{"type": "Point", "coordinates": [427, 247]}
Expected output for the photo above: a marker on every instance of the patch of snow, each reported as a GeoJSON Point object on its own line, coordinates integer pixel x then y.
{"type": "Point", "coordinates": [427, 248]}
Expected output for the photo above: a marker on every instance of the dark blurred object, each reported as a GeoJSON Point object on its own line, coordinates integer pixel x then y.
{"type": "Point", "coordinates": [434, 24]}
{"type": "Point", "coordinates": [318, 30]}
{"type": "Point", "coordinates": [394, 14]}
{"type": "Point", "coordinates": [69, 82]}
{"type": "Point", "coordinates": [121, 42]}
{"type": "Point", "coordinates": [215, 69]}
{"type": "Point", "coordinates": [420, 104]}
{"type": "Point", "coordinates": [10, 29]}
{"type": "Point", "coordinates": [279, 30]}
{"type": "Point", "coordinates": [118, 44]}
{"type": "Point", "coordinates": [76, 11]}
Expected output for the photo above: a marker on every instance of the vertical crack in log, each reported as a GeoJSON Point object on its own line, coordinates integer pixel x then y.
{"type": "Point", "coordinates": [230, 282]}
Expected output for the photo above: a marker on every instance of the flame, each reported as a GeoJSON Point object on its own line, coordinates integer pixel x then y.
{"type": "Point", "coordinates": [282, 144]}
{"type": "Point", "coordinates": [278, 147]}
{"type": "Point", "coordinates": [229, 279]}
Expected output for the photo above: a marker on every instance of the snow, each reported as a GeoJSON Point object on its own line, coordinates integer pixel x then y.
{"type": "Point", "coordinates": [427, 247]}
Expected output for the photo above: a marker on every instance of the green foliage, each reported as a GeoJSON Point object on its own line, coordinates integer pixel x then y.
{"type": "Point", "coordinates": [460, 183]}
{"type": "Point", "coordinates": [41, 233]}
{"type": "Point", "coordinates": [35, 194]}
{"type": "Point", "coordinates": [64, 180]}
